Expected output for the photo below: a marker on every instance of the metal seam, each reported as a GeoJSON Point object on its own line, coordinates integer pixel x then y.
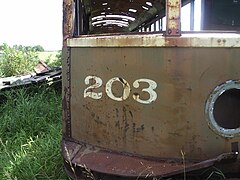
{"type": "Point", "coordinates": [68, 94]}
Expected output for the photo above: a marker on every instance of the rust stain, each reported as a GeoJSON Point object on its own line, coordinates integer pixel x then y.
{"type": "Point", "coordinates": [156, 131]}
{"type": "Point", "coordinates": [64, 100]}
{"type": "Point", "coordinates": [173, 8]}
{"type": "Point", "coordinates": [158, 40]}
{"type": "Point", "coordinates": [176, 119]}
{"type": "Point", "coordinates": [67, 20]}
{"type": "Point", "coordinates": [112, 163]}
{"type": "Point", "coordinates": [173, 118]}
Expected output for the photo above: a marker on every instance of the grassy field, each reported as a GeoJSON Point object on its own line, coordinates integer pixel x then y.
{"type": "Point", "coordinates": [30, 135]}
{"type": "Point", "coordinates": [52, 58]}
{"type": "Point", "coordinates": [47, 55]}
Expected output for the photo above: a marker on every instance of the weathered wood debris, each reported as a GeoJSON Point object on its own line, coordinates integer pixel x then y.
{"type": "Point", "coordinates": [42, 74]}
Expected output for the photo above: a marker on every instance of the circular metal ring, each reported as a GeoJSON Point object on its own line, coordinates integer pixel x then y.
{"type": "Point", "coordinates": [210, 105]}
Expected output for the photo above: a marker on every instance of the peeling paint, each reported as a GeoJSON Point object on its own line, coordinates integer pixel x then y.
{"type": "Point", "coordinates": [158, 40]}
{"type": "Point", "coordinates": [173, 10]}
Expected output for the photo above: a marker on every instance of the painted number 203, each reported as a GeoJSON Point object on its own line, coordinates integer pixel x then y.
{"type": "Point", "coordinates": [97, 82]}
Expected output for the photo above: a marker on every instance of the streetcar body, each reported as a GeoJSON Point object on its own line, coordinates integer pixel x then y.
{"type": "Point", "coordinates": [148, 104]}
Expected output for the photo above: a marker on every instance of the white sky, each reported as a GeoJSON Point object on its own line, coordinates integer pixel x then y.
{"type": "Point", "coordinates": [31, 22]}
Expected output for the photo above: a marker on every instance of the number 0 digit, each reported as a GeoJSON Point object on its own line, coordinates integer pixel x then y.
{"type": "Point", "coordinates": [126, 89]}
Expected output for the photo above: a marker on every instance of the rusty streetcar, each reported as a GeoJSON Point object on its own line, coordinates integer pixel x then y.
{"type": "Point", "coordinates": [144, 99]}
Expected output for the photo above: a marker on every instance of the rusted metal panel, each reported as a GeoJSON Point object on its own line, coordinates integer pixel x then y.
{"type": "Point", "coordinates": [68, 10]}
{"type": "Point", "coordinates": [147, 97]}
{"type": "Point", "coordinates": [190, 40]}
{"type": "Point", "coordinates": [149, 101]}
{"type": "Point", "coordinates": [143, 105]}
{"type": "Point", "coordinates": [68, 24]}
{"type": "Point", "coordinates": [94, 159]}
{"type": "Point", "coordinates": [66, 91]}
{"type": "Point", "coordinates": [173, 11]}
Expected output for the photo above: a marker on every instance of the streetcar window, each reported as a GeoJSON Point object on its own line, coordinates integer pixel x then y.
{"type": "Point", "coordinates": [222, 15]}
{"type": "Point", "coordinates": [120, 16]}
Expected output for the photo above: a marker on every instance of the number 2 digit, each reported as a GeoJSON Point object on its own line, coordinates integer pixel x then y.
{"type": "Point", "coordinates": [88, 92]}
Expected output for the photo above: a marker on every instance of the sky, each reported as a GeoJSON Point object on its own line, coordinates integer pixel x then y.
{"type": "Point", "coordinates": [31, 22]}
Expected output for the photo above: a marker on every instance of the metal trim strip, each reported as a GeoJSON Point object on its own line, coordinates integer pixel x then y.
{"type": "Point", "coordinates": [223, 40]}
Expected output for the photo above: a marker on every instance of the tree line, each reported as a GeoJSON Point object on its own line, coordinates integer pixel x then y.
{"type": "Point", "coordinates": [37, 48]}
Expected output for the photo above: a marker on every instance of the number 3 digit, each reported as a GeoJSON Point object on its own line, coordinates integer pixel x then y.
{"type": "Point", "coordinates": [149, 90]}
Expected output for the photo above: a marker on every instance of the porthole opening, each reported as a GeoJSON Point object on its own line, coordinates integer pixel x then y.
{"type": "Point", "coordinates": [226, 109]}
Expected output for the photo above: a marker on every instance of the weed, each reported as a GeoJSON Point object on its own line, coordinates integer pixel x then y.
{"type": "Point", "coordinates": [184, 164]}
{"type": "Point", "coordinates": [30, 134]}
{"type": "Point", "coordinates": [213, 173]}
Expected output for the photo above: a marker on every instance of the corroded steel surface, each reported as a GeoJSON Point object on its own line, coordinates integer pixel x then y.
{"type": "Point", "coordinates": [129, 96]}
{"type": "Point", "coordinates": [135, 104]}
{"type": "Point", "coordinates": [67, 20]}
{"type": "Point", "coordinates": [173, 10]}
{"type": "Point", "coordinates": [140, 105]}
{"type": "Point", "coordinates": [66, 91]}
{"type": "Point", "coordinates": [80, 155]}
{"type": "Point", "coordinates": [157, 40]}
{"type": "Point", "coordinates": [149, 101]}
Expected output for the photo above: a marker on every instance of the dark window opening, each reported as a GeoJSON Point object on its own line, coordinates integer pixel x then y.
{"type": "Point", "coordinates": [122, 16]}
{"type": "Point", "coordinates": [226, 109]}
{"type": "Point", "coordinates": [119, 16]}
{"type": "Point", "coordinates": [222, 15]}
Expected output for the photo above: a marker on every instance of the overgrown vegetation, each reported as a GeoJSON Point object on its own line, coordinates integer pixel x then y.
{"type": "Point", "coordinates": [54, 60]}
{"type": "Point", "coordinates": [21, 60]}
{"type": "Point", "coordinates": [17, 60]}
{"type": "Point", "coordinates": [30, 133]}
{"type": "Point", "coordinates": [30, 128]}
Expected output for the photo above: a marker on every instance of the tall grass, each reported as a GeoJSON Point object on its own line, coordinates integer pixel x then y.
{"type": "Point", "coordinates": [30, 134]}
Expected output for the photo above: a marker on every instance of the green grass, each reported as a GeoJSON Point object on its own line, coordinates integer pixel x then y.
{"type": "Point", "coordinates": [30, 135]}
